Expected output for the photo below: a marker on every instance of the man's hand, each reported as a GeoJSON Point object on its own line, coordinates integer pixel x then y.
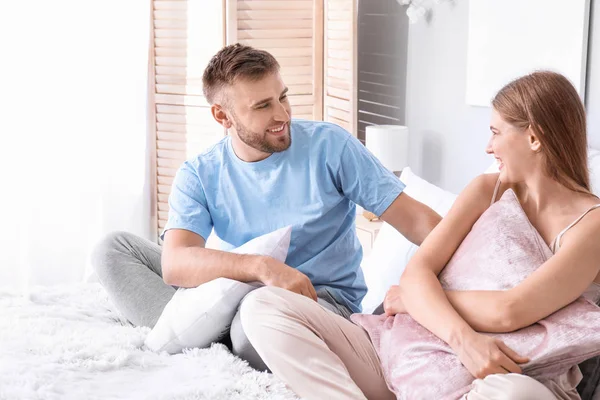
{"type": "Point", "coordinates": [392, 304]}
{"type": "Point", "coordinates": [276, 273]}
{"type": "Point", "coordinates": [483, 355]}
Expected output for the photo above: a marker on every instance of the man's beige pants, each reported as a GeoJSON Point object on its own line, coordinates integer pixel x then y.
{"type": "Point", "coordinates": [323, 356]}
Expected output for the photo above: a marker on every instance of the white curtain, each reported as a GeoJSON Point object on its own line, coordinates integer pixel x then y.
{"type": "Point", "coordinates": [74, 159]}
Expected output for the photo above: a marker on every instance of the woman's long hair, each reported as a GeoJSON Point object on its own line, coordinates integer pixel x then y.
{"type": "Point", "coordinates": [548, 103]}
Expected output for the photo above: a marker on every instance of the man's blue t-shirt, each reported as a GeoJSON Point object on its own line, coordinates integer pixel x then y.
{"type": "Point", "coordinates": [312, 186]}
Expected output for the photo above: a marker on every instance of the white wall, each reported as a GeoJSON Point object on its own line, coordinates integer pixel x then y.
{"type": "Point", "coordinates": [593, 77]}
{"type": "Point", "coordinates": [73, 157]}
{"type": "Point", "coordinates": [448, 137]}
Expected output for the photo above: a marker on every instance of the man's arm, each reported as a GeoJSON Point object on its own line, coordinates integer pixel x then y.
{"type": "Point", "coordinates": [413, 219]}
{"type": "Point", "coordinates": [364, 180]}
{"type": "Point", "coordinates": [187, 263]}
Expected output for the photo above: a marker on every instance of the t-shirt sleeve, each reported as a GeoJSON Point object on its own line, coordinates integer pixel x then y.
{"type": "Point", "coordinates": [364, 180]}
{"type": "Point", "coordinates": [188, 208]}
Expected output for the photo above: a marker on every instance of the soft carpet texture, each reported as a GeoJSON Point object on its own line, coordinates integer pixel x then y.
{"type": "Point", "coordinates": [69, 343]}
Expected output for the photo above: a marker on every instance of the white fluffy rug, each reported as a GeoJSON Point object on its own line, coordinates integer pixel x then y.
{"type": "Point", "coordinates": [69, 343]}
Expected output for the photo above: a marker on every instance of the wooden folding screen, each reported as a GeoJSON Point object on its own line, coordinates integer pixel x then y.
{"type": "Point", "coordinates": [340, 63]}
{"type": "Point", "coordinates": [292, 31]}
{"type": "Point", "coordinates": [185, 35]}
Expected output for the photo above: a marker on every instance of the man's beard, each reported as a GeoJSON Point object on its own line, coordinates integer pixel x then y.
{"type": "Point", "coordinates": [260, 141]}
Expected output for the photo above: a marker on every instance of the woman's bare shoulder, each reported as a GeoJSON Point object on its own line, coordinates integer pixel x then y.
{"type": "Point", "coordinates": [482, 187]}
{"type": "Point", "coordinates": [580, 243]}
{"type": "Point", "coordinates": [476, 197]}
{"type": "Point", "coordinates": [588, 227]}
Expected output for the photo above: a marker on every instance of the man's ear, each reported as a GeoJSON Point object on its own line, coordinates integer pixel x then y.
{"type": "Point", "coordinates": [534, 141]}
{"type": "Point", "coordinates": [220, 115]}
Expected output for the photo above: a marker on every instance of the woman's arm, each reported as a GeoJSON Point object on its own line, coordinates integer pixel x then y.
{"type": "Point", "coordinates": [421, 292]}
{"type": "Point", "coordinates": [557, 283]}
{"type": "Point", "coordinates": [422, 296]}
{"type": "Point", "coordinates": [561, 279]}
{"type": "Point", "coordinates": [483, 310]}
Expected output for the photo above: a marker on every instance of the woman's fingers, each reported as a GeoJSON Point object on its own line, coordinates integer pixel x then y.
{"type": "Point", "coordinates": [510, 358]}
{"type": "Point", "coordinates": [517, 358]}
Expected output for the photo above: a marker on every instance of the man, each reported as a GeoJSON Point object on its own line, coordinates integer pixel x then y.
{"type": "Point", "coordinates": [270, 172]}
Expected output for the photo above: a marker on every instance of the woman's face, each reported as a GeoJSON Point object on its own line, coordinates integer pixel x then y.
{"type": "Point", "coordinates": [513, 148]}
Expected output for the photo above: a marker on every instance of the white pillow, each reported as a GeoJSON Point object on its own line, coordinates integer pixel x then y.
{"type": "Point", "coordinates": [391, 251]}
{"type": "Point", "coordinates": [200, 316]}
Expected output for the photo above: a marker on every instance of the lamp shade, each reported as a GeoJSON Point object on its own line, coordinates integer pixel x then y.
{"type": "Point", "coordinates": [389, 143]}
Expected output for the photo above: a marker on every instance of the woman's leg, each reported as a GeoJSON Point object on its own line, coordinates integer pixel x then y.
{"type": "Point", "coordinates": [509, 387]}
{"type": "Point", "coordinates": [319, 354]}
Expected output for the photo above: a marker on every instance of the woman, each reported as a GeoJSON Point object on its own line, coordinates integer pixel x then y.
{"type": "Point", "coordinates": [539, 139]}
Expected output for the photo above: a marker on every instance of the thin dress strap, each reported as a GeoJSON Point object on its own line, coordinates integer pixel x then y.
{"type": "Point", "coordinates": [495, 191]}
{"type": "Point", "coordinates": [556, 243]}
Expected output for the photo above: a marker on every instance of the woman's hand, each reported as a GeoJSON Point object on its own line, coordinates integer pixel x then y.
{"type": "Point", "coordinates": [483, 355]}
{"type": "Point", "coordinates": [392, 304]}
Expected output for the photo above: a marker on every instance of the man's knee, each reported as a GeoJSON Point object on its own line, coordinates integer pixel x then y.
{"type": "Point", "coordinates": [103, 253]}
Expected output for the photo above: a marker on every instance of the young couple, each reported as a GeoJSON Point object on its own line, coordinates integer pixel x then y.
{"type": "Point", "coordinates": [272, 171]}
